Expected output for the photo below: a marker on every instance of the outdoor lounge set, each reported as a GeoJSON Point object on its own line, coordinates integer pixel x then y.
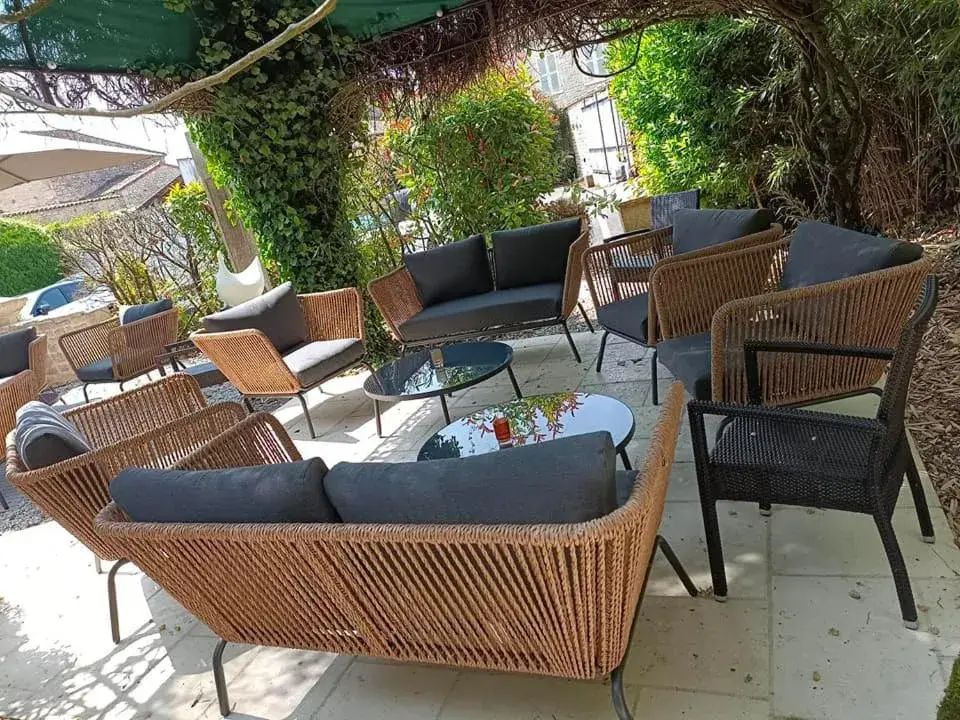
{"type": "Point", "coordinates": [532, 558]}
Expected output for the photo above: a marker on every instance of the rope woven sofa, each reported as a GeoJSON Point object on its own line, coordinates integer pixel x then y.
{"type": "Point", "coordinates": [555, 600]}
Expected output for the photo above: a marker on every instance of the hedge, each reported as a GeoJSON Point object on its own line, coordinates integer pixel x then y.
{"type": "Point", "coordinates": [29, 259]}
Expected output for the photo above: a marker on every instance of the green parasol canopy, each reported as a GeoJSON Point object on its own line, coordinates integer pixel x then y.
{"type": "Point", "coordinates": [120, 35]}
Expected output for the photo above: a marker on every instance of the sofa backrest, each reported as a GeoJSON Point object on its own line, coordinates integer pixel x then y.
{"type": "Point", "coordinates": [534, 255]}
{"type": "Point", "coordinates": [277, 314]}
{"type": "Point", "coordinates": [699, 229]}
{"type": "Point", "coordinates": [15, 351]}
{"type": "Point", "coordinates": [458, 269]}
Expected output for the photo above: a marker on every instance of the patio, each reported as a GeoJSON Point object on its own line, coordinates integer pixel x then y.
{"type": "Point", "coordinates": [811, 630]}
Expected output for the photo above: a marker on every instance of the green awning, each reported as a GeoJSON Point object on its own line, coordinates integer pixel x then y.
{"type": "Point", "coordinates": [121, 35]}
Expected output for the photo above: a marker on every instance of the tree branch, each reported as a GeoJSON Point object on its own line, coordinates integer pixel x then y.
{"type": "Point", "coordinates": [292, 31]}
{"type": "Point", "coordinates": [21, 14]}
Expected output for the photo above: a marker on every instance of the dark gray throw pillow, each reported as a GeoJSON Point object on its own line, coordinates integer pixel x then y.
{"type": "Point", "coordinates": [821, 253]}
{"type": "Point", "coordinates": [43, 437]}
{"type": "Point", "coordinates": [569, 480]}
{"type": "Point", "coordinates": [132, 313]}
{"type": "Point", "coordinates": [534, 255]}
{"type": "Point", "coordinates": [283, 493]}
{"type": "Point", "coordinates": [15, 351]}
{"type": "Point", "coordinates": [699, 229]}
{"type": "Point", "coordinates": [276, 314]}
{"type": "Point", "coordinates": [451, 271]}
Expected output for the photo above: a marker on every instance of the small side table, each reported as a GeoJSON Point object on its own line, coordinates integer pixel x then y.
{"type": "Point", "coordinates": [205, 373]}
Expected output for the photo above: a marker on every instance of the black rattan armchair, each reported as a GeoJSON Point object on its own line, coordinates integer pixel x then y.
{"type": "Point", "coordinates": [812, 459]}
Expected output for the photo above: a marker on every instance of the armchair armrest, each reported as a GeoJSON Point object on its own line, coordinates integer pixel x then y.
{"type": "Point", "coordinates": [573, 276]}
{"type": "Point", "coordinates": [333, 315]}
{"type": "Point", "coordinates": [621, 268]}
{"type": "Point", "coordinates": [134, 347]}
{"type": "Point", "coordinates": [14, 394]}
{"type": "Point", "coordinates": [37, 354]}
{"type": "Point", "coordinates": [864, 311]}
{"type": "Point", "coordinates": [259, 439]}
{"type": "Point", "coordinates": [249, 361]}
{"type": "Point", "coordinates": [396, 297]}
{"type": "Point", "coordinates": [86, 345]}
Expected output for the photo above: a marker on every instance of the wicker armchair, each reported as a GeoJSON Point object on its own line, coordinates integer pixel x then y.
{"type": "Point", "coordinates": [152, 426]}
{"type": "Point", "coordinates": [490, 599]}
{"type": "Point", "coordinates": [814, 459]}
{"type": "Point", "coordinates": [618, 276]}
{"type": "Point", "coordinates": [109, 352]}
{"type": "Point", "coordinates": [256, 368]}
{"type": "Point", "coordinates": [17, 390]}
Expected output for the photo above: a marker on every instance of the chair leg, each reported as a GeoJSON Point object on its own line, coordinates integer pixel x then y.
{"type": "Point", "coordinates": [112, 600]}
{"type": "Point", "coordinates": [900, 578]}
{"type": "Point", "coordinates": [97, 565]}
{"type": "Point", "coordinates": [220, 680]}
{"type": "Point", "coordinates": [585, 318]}
{"type": "Point", "coordinates": [121, 387]}
{"type": "Point", "coordinates": [675, 563]}
{"type": "Point", "coordinates": [919, 500]}
{"type": "Point", "coordinates": [248, 405]}
{"type": "Point", "coordinates": [603, 347]}
{"type": "Point", "coordinates": [711, 529]}
{"type": "Point", "coordinates": [617, 692]}
{"type": "Point", "coordinates": [86, 397]}
{"type": "Point", "coordinates": [653, 378]}
{"type": "Point", "coordinates": [3, 502]}
{"type": "Point", "coordinates": [306, 414]}
{"type": "Point", "coordinates": [576, 353]}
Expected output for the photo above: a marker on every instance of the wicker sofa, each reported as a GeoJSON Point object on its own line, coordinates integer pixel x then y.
{"type": "Point", "coordinates": [468, 595]}
{"type": "Point", "coordinates": [23, 374]}
{"type": "Point", "coordinates": [459, 291]}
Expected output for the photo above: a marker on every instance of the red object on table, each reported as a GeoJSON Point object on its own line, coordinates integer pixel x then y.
{"type": "Point", "coordinates": [501, 428]}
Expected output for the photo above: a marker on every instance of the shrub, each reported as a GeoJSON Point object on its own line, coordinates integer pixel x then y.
{"type": "Point", "coordinates": [950, 705]}
{"type": "Point", "coordinates": [29, 259]}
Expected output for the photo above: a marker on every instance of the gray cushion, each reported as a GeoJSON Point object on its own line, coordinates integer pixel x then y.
{"type": "Point", "coordinates": [626, 317]}
{"type": "Point", "coordinates": [99, 371]}
{"type": "Point", "coordinates": [533, 255]}
{"type": "Point", "coordinates": [282, 493]}
{"type": "Point", "coordinates": [276, 314]}
{"type": "Point", "coordinates": [451, 271]}
{"type": "Point", "coordinates": [478, 312]}
{"type": "Point", "coordinates": [698, 229]}
{"type": "Point", "coordinates": [15, 351]}
{"type": "Point", "coordinates": [625, 481]}
{"type": "Point", "coordinates": [316, 361]}
{"type": "Point", "coordinates": [43, 437]}
{"type": "Point", "coordinates": [821, 253]}
{"type": "Point", "coordinates": [568, 480]}
{"type": "Point", "coordinates": [132, 313]}
{"type": "Point", "coordinates": [688, 358]}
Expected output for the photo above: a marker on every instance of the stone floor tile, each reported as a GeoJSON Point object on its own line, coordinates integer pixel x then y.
{"type": "Point", "coordinates": [660, 703]}
{"type": "Point", "coordinates": [839, 657]}
{"type": "Point", "coordinates": [683, 483]}
{"type": "Point", "coordinates": [830, 542]}
{"type": "Point", "coordinates": [938, 603]}
{"type": "Point", "coordinates": [699, 644]}
{"type": "Point", "coordinates": [370, 690]}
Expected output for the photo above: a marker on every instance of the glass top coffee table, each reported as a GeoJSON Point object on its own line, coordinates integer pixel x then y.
{"type": "Point", "coordinates": [532, 420]}
{"type": "Point", "coordinates": [416, 376]}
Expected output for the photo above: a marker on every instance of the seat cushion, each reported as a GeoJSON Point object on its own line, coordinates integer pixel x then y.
{"type": "Point", "coordinates": [625, 481]}
{"type": "Point", "coordinates": [568, 480]}
{"type": "Point", "coordinates": [451, 271]}
{"type": "Point", "coordinates": [132, 313]}
{"type": "Point", "coordinates": [99, 371]}
{"type": "Point", "coordinates": [478, 312]}
{"type": "Point", "coordinates": [15, 351]}
{"type": "Point", "coordinates": [533, 255]}
{"type": "Point", "coordinates": [626, 317]}
{"type": "Point", "coordinates": [821, 253]}
{"type": "Point", "coordinates": [316, 361]}
{"type": "Point", "coordinates": [282, 493]}
{"type": "Point", "coordinates": [43, 437]}
{"type": "Point", "coordinates": [688, 358]}
{"type": "Point", "coordinates": [276, 314]}
{"type": "Point", "coordinates": [699, 229]}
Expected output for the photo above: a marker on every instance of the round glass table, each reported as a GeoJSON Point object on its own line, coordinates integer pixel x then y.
{"type": "Point", "coordinates": [535, 419]}
{"type": "Point", "coordinates": [418, 375]}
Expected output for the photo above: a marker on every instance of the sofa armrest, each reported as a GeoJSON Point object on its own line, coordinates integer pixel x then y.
{"type": "Point", "coordinates": [134, 347]}
{"type": "Point", "coordinates": [38, 361]}
{"type": "Point", "coordinates": [249, 361]}
{"type": "Point", "coordinates": [620, 269]}
{"type": "Point", "coordinates": [866, 311]}
{"type": "Point", "coordinates": [396, 298]}
{"type": "Point", "coordinates": [260, 439]}
{"type": "Point", "coordinates": [573, 276]}
{"type": "Point", "coordinates": [86, 345]}
{"type": "Point", "coordinates": [333, 315]}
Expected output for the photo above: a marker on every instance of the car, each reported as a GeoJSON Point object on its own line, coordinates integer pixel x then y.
{"type": "Point", "coordinates": [61, 294]}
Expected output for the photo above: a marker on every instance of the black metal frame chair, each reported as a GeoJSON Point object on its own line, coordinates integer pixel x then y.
{"type": "Point", "coordinates": [813, 459]}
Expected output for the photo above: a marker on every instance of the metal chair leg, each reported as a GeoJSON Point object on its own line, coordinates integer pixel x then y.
{"type": "Point", "coordinates": [97, 565]}
{"type": "Point", "coordinates": [376, 414]}
{"type": "Point", "coordinates": [919, 500]}
{"type": "Point", "coordinates": [306, 414]}
{"type": "Point", "coordinates": [219, 679]}
{"type": "Point", "coordinates": [617, 691]}
{"type": "Point", "coordinates": [3, 502]}
{"type": "Point", "coordinates": [653, 378]}
{"type": "Point", "coordinates": [248, 405]}
{"type": "Point", "coordinates": [576, 353]}
{"type": "Point", "coordinates": [603, 347]}
{"type": "Point", "coordinates": [112, 599]}
{"type": "Point", "coordinates": [585, 318]}
{"type": "Point", "coordinates": [86, 397]}
{"type": "Point", "coordinates": [675, 563]}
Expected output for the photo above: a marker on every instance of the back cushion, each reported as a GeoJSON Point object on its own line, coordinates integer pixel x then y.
{"type": "Point", "coordinates": [15, 351]}
{"type": "Point", "coordinates": [283, 493]}
{"type": "Point", "coordinates": [534, 255]}
{"type": "Point", "coordinates": [43, 437]}
{"type": "Point", "coordinates": [132, 313]}
{"type": "Point", "coordinates": [569, 480]}
{"type": "Point", "coordinates": [276, 314]}
{"type": "Point", "coordinates": [821, 253]}
{"type": "Point", "coordinates": [451, 271]}
{"type": "Point", "coordinates": [699, 229]}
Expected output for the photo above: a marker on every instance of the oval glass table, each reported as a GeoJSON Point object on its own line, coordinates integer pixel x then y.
{"type": "Point", "coordinates": [535, 419]}
{"type": "Point", "coordinates": [415, 376]}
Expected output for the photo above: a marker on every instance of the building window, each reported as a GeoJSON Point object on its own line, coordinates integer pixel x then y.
{"type": "Point", "coordinates": [592, 60]}
{"type": "Point", "coordinates": [548, 73]}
